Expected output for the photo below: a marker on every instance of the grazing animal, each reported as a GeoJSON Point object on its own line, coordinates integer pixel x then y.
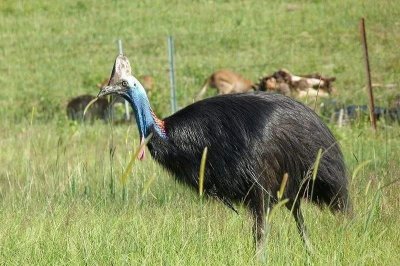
{"type": "Point", "coordinates": [284, 82]}
{"type": "Point", "coordinates": [76, 106]}
{"type": "Point", "coordinates": [253, 139]}
{"type": "Point", "coordinates": [226, 81]}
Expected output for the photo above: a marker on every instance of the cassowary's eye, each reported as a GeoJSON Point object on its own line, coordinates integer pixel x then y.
{"type": "Point", "coordinates": [124, 83]}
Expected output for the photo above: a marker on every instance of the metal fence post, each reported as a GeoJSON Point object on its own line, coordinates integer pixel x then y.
{"type": "Point", "coordinates": [172, 73]}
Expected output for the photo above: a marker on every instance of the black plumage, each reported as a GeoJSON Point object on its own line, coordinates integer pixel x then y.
{"type": "Point", "coordinates": [253, 140]}
{"type": "Point", "coordinates": [249, 137]}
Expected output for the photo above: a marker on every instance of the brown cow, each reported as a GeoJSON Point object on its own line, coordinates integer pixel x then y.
{"type": "Point", "coordinates": [226, 81]}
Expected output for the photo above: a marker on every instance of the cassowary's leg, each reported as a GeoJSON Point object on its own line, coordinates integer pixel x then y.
{"type": "Point", "coordinates": [301, 227]}
{"type": "Point", "coordinates": [257, 208]}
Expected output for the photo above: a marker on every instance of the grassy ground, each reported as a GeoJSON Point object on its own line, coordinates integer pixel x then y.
{"type": "Point", "coordinates": [60, 194]}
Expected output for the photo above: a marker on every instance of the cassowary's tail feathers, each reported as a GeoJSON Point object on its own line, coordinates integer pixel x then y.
{"type": "Point", "coordinates": [335, 196]}
{"type": "Point", "coordinates": [332, 186]}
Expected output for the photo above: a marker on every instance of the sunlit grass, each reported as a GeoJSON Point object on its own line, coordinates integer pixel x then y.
{"type": "Point", "coordinates": [57, 206]}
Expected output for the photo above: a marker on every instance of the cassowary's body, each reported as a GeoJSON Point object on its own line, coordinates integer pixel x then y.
{"type": "Point", "coordinates": [253, 139]}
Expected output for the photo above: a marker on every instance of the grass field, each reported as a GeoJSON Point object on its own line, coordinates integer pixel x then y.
{"type": "Point", "coordinates": [61, 198]}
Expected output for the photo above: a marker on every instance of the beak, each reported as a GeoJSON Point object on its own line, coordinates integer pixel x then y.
{"type": "Point", "coordinates": [111, 89]}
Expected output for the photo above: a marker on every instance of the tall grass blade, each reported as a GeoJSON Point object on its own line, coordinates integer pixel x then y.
{"type": "Point", "coordinates": [315, 170]}
{"type": "Point", "coordinates": [358, 168]}
{"type": "Point", "coordinates": [280, 195]}
{"type": "Point", "coordinates": [202, 169]}
{"type": "Point", "coordinates": [88, 105]}
{"type": "Point", "coordinates": [367, 187]}
{"type": "Point", "coordinates": [128, 169]}
{"type": "Point", "coordinates": [148, 184]}
{"type": "Point", "coordinates": [316, 164]}
{"type": "Point", "coordinates": [283, 186]}
{"type": "Point", "coordinates": [277, 206]}
{"type": "Point", "coordinates": [112, 181]}
{"type": "Point", "coordinates": [32, 114]}
{"type": "Point", "coordinates": [372, 211]}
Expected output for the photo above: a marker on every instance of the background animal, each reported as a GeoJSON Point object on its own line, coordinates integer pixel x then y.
{"type": "Point", "coordinates": [99, 110]}
{"type": "Point", "coordinates": [253, 140]}
{"type": "Point", "coordinates": [226, 81]}
{"type": "Point", "coordinates": [76, 106]}
{"type": "Point", "coordinates": [284, 82]}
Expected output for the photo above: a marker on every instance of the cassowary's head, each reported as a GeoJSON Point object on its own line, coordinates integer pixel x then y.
{"type": "Point", "coordinates": [128, 87]}
{"type": "Point", "coordinates": [124, 84]}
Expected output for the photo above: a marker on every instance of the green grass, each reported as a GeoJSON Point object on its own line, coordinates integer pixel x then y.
{"type": "Point", "coordinates": [58, 206]}
{"type": "Point", "coordinates": [61, 198]}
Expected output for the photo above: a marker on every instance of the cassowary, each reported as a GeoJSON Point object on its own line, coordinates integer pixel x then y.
{"type": "Point", "coordinates": [253, 139]}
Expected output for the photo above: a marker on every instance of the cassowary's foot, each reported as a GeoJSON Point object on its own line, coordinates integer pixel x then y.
{"type": "Point", "coordinates": [261, 249]}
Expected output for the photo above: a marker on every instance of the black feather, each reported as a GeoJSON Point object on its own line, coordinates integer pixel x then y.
{"type": "Point", "coordinates": [253, 139]}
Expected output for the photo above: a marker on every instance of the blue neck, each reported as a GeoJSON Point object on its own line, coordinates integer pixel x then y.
{"type": "Point", "coordinates": [143, 114]}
